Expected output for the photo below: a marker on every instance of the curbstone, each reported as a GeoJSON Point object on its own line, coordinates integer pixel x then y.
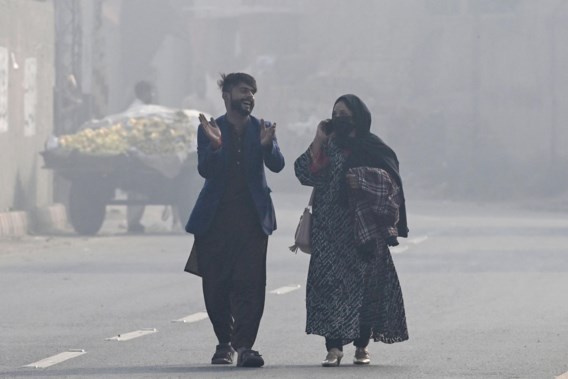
{"type": "Point", "coordinates": [13, 224]}
{"type": "Point", "coordinates": [42, 220]}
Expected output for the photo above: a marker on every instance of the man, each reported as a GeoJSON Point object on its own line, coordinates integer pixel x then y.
{"type": "Point", "coordinates": [233, 218]}
{"type": "Point", "coordinates": [145, 95]}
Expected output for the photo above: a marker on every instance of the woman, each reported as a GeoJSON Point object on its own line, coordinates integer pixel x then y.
{"type": "Point", "coordinates": [353, 292]}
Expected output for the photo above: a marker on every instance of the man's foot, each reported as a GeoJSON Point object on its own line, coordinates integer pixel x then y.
{"type": "Point", "coordinates": [249, 358]}
{"type": "Point", "coordinates": [224, 354]}
{"type": "Point", "coordinates": [362, 356]}
{"type": "Point", "coordinates": [136, 228]}
{"type": "Point", "coordinates": [333, 358]}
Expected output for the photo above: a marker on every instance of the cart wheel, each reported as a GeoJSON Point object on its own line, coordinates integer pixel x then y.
{"type": "Point", "coordinates": [87, 207]}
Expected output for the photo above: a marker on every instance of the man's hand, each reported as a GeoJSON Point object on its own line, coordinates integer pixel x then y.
{"type": "Point", "coordinates": [211, 130]}
{"type": "Point", "coordinates": [267, 133]}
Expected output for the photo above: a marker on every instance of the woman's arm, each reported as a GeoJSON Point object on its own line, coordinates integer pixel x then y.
{"type": "Point", "coordinates": [311, 168]}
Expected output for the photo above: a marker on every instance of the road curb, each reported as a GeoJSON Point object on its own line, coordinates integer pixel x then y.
{"type": "Point", "coordinates": [42, 220]}
{"type": "Point", "coordinates": [13, 224]}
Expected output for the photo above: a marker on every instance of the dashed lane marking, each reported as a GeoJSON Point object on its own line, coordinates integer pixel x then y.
{"type": "Point", "coordinates": [418, 240]}
{"type": "Point", "coordinates": [193, 318]}
{"type": "Point", "coordinates": [61, 357]}
{"type": "Point", "coordinates": [132, 335]}
{"type": "Point", "coordinates": [404, 247]}
{"type": "Point", "coordinates": [398, 249]}
{"type": "Point", "coordinates": [563, 376]}
{"type": "Point", "coordinates": [286, 289]}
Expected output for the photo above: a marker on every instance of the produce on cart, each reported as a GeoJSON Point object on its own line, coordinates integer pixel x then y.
{"type": "Point", "coordinates": [149, 149]}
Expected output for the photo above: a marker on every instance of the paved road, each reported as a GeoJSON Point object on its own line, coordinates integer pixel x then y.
{"type": "Point", "coordinates": [485, 292]}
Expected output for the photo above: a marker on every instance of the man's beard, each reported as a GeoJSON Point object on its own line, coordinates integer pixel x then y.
{"type": "Point", "coordinates": [237, 106]}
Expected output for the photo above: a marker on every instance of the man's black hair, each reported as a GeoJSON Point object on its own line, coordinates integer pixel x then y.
{"type": "Point", "coordinates": [227, 82]}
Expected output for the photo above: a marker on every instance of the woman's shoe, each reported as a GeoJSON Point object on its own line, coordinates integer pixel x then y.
{"type": "Point", "coordinates": [362, 356]}
{"type": "Point", "coordinates": [333, 358]}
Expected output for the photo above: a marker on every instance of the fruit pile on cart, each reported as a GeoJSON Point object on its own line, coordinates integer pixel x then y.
{"type": "Point", "coordinates": [150, 150]}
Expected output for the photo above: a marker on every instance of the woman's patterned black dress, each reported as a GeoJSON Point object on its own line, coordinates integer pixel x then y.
{"type": "Point", "coordinates": [343, 289]}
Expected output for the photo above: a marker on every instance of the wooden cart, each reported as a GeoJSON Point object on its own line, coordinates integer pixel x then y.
{"type": "Point", "coordinates": [94, 180]}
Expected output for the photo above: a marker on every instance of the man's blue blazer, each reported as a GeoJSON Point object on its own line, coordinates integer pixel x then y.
{"type": "Point", "coordinates": [213, 166]}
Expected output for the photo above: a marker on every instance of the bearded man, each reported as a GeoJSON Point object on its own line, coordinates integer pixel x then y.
{"type": "Point", "coordinates": [232, 219]}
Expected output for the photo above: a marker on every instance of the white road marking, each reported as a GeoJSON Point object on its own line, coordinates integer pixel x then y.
{"type": "Point", "coordinates": [61, 357]}
{"type": "Point", "coordinates": [398, 249]}
{"type": "Point", "coordinates": [563, 376]}
{"type": "Point", "coordinates": [402, 248]}
{"type": "Point", "coordinates": [418, 240]}
{"type": "Point", "coordinates": [132, 335]}
{"type": "Point", "coordinates": [193, 318]}
{"type": "Point", "coordinates": [286, 289]}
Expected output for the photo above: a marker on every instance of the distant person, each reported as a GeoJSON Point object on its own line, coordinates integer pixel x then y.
{"type": "Point", "coordinates": [232, 219]}
{"type": "Point", "coordinates": [145, 93]}
{"type": "Point", "coordinates": [352, 292]}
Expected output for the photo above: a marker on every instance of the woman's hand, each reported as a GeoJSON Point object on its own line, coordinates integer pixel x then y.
{"type": "Point", "coordinates": [321, 137]}
{"type": "Point", "coordinates": [352, 181]}
{"type": "Point", "coordinates": [321, 133]}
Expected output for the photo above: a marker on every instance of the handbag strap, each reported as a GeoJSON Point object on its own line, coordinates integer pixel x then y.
{"type": "Point", "coordinates": [312, 197]}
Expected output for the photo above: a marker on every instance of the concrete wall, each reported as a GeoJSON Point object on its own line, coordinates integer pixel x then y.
{"type": "Point", "coordinates": [26, 102]}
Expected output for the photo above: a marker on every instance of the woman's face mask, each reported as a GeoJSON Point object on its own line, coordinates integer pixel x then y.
{"type": "Point", "coordinates": [342, 125]}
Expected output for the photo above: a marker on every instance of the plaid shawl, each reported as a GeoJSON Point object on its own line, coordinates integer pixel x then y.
{"type": "Point", "coordinates": [374, 204]}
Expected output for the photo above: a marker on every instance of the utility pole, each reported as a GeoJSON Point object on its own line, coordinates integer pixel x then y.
{"type": "Point", "coordinates": [552, 56]}
{"type": "Point", "coordinates": [95, 85]}
{"type": "Point", "coordinates": [68, 62]}
{"type": "Point", "coordinates": [475, 79]}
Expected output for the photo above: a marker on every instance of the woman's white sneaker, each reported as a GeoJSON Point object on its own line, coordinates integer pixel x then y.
{"type": "Point", "coordinates": [333, 358]}
{"type": "Point", "coordinates": [362, 356]}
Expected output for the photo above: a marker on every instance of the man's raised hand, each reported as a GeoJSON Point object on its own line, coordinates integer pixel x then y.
{"type": "Point", "coordinates": [211, 130]}
{"type": "Point", "coordinates": [267, 133]}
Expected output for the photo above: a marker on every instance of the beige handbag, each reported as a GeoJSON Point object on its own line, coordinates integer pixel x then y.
{"type": "Point", "coordinates": [303, 236]}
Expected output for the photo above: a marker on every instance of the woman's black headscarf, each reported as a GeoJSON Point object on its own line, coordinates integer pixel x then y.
{"type": "Point", "coordinates": [368, 150]}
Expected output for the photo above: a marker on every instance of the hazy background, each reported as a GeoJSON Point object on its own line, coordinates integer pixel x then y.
{"type": "Point", "coordinates": [470, 93]}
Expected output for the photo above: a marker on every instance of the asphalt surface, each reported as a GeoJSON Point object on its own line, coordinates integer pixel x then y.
{"type": "Point", "coordinates": [485, 289]}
